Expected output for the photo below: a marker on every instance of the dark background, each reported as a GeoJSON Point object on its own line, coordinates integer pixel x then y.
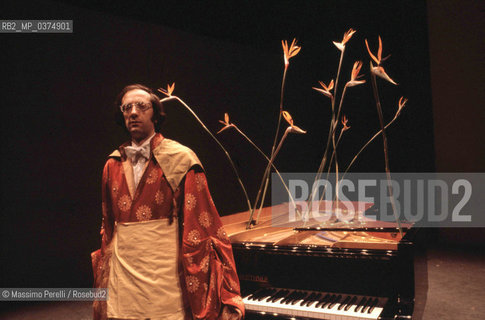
{"type": "Point", "coordinates": [58, 90]}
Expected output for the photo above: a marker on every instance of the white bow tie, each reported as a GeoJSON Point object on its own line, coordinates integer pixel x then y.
{"type": "Point", "coordinates": [134, 153]}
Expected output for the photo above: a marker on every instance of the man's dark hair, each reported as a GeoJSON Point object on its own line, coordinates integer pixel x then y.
{"type": "Point", "coordinates": [158, 111]}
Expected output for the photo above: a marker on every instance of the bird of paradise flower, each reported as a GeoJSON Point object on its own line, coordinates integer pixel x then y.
{"type": "Point", "coordinates": [330, 91]}
{"type": "Point", "coordinates": [379, 71]}
{"type": "Point", "coordinates": [292, 128]}
{"type": "Point", "coordinates": [168, 92]}
{"type": "Point", "coordinates": [288, 52]}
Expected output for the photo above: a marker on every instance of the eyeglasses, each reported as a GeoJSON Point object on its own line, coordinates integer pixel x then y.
{"type": "Point", "coordinates": [126, 108]}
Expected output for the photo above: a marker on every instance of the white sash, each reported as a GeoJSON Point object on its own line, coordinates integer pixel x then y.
{"type": "Point", "coordinates": [143, 279]}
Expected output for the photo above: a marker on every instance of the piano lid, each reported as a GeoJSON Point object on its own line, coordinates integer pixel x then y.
{"type": "Point", "coordinates": [276, 227]}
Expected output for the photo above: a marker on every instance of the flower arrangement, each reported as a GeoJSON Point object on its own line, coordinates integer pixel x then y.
{"type": "Point", "coordinates": [339, 123]}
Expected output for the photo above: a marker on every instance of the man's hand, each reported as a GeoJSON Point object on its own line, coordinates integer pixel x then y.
{"type": "Point", "coordinates": [231, 313]}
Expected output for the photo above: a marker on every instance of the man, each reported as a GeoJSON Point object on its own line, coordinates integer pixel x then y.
{"type": "Point", "coordinates": [164, 252]}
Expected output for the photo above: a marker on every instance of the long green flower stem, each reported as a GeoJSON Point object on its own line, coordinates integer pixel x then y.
{"type": "Point", "coordinates": [384, 140]}
{"type": "Point", "coordinates": [334, 153]}
{"type": "Point", "coordinates": [358, 153]}
{"type": "Point", "coordinates": [330, 134]}
{"type": "Point", "coordinates": [265, 186]}
{"type": "Point", "coordinates": [268, 168]}
{"type": "Point", "coordinates": [338, 74]}
{"type": "Point", "coordinates": [216, 140]}
{"type": "Point", "coordinates": [340, 107]}
{"type": "Point", "coordinates": [322, 165]}
{"type": "Point", "coordinates": [269, 161]}
{"type": "Point", "coordinates": [330, 164]}
{"type": "Point", "coordinates": [368, 142]}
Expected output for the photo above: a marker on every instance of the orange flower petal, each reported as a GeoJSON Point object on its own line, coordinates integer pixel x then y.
{"type": "Point", "coordinates": [224, 128]}
{"type": "Point", "coordinates": [285, 47]}
{"type": "Point", "coordinates": [355, 70]}
{"type": "Point", "coordinates": [169, 90]}
{"type": "Point", "coordinates": [379, 52]}
{"type": "Point", "coordinates": [289, 52]}
{"type": "Point", "coordinates": [330, 85]}
{"type": "Point", "coordinates": [344, 123]}
{"type": "Point", "coordinates": [402, 103]}
{"type": "Point", "coordinates": [348, 35]}
{"type": "Point", "coordinates": [295, 51]}
{"type": "Point", "coordinates": [325, 92]}
{"type": "Point", "coordinates": [370, 53]}
{"type": "Point", "coordinates": [288, 117]}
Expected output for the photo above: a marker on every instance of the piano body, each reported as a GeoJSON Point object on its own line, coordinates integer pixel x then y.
{"type": "Point", "coordinates": [330, 273]}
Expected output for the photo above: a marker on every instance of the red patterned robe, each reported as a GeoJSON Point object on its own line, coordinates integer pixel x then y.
{"type": "Point", "coordinates": [179, 191]}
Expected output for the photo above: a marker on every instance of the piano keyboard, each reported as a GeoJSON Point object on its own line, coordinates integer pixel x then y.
{"type": "Point", "coordinates": [312, 304]}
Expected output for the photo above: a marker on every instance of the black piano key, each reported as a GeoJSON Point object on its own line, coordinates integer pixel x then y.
{"type": "Point", "coordinates": [283, 300]}
{"type": "Point", "coordinates": [264, 294]}
{"type": "Point", "coordinates": [275, 294]}
{"type": "Point", "coordinates": [361, 303]}
{"type": "Point", "coordinates": [344, 303]}
{"type": "Point", "coordinates": [280, 294]}
{"type": "Point", "coordinates": [322, 300]}
{"type": "Point", "coordinates": [297, 296]}
{"type": "Point", "coordinates": [255, 295]}
{"type": "Point", "coordinates": [329, 301]}
{"type": "Point", "coordinates": [317, 297]}
{"type": "Point", "coordinates": [291, 297]}
{"type": "Point", "coordinates": [337, 299]}
{"type": "Point", "coordinates": [301, 295]}
{"type": "Point", "coordinates": [351, 303]}
{"type": "Point", "coordinates": [288, 298]}
{"type": "Point", "coordinates": [271, 294]}
{"type": "Point", "coordinates": [373, 305]}
{"type": "Point", "coordinates": [366, 305]}
{"type": "Point", "coordinates": [309, 299]}
{"type": "Point", "coordinates": [285, 295]}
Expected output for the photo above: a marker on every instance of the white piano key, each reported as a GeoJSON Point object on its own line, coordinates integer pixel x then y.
{"type": "Point", "coordinates": [311, 311]}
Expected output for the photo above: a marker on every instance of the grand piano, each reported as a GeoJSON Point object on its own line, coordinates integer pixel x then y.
{"type": "Point", "coordinates": [323, 270]}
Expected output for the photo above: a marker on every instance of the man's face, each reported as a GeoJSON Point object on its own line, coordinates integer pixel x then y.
{"type": "Point", "coordinates": [139, 123]}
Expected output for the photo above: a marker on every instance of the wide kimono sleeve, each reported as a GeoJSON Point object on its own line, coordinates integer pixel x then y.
{"type": "Point", "coordinates": [101, 257]}
{"type": "Point", "coordinates": [210, 273]}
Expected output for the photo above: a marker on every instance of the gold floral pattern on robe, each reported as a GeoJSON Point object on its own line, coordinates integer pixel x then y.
{"type": "Point", "coordinates": [144, 213]}
{"type": "Point", "coordinates": [192, 284]}
{"type": "Point", "coordinates": [152, 176]}
{"type": "Point", "coordinates": [159, 197]}
{"type": "Point", "coordinates": [205, 219]}
{"type": "Point", "coordinates": [190, 201]}
{"type": "Point", "coordinates": [124, 203]}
